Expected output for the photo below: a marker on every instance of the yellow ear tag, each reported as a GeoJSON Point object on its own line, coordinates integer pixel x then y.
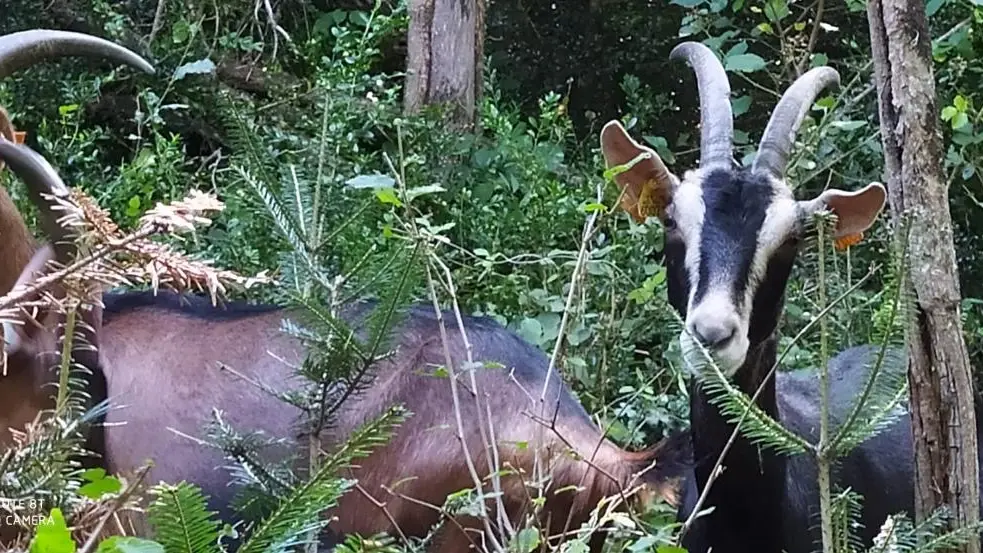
{"type": "Point", "coordinates": [848, 240]}
{"type": "Point", "coordinates": [651, 202]}
{"type": "Point", "coordinates": [19, 137]}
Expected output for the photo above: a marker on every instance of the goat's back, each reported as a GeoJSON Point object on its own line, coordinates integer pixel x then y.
{"type": "Point", "coordinates": [165, 363]}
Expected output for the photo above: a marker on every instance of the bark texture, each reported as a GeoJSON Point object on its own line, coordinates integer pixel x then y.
{"type": "Point", "coordinates": [943, 416]}
{"type": "Point", "coordinates": [445, 46]}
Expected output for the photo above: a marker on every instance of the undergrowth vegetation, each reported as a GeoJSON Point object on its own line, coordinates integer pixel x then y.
{"type": "Point", "coordinates": [307, 136]}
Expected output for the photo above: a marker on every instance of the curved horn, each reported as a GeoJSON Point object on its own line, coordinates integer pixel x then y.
{"type": "Point", "coordinates": [25, 48]}
{"type": "Point", "coordinates": [41, 179]}
{"type": "Point", "coordinates": [716, 117]}
{"type": "Point", "coordinates": [776, 142]}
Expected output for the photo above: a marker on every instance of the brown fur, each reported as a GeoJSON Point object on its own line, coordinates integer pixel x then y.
{"type": "Point", "coordinates": [166, 365]}
{"type": "Point", "coordinates": [163, 372]}
{"type": "Point", "coordinates": [175, 384]}
{"type": "Point", "coordinates": [17, 244]}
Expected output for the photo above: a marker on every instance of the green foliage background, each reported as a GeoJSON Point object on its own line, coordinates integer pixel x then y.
{"type": "Point", "coordinates": [516, 192]}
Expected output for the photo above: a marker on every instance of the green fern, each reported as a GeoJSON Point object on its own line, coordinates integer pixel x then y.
{"type": "Point", "coordinates": [737, 407]}
{"type": "Point", "coordinates": [298, 514]}
{"type": "Point", "coordinates": [879, 402]}
{"type": "Point", "coordinates": [846, 510]}
{"type": "Point", "coordinates": [182, 521]}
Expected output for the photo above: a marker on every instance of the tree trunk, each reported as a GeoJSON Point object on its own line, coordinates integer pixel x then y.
{"type": "Point", "coordinates": [943, 416]}
{"type": "Point", "coordinates": [444, 60]}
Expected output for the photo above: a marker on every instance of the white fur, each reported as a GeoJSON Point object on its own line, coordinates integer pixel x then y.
{"type": "Point", "coordinates": [717, 307]}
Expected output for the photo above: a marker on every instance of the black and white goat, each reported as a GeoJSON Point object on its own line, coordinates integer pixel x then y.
{"type": "Point", "coordinates": [732, 235]}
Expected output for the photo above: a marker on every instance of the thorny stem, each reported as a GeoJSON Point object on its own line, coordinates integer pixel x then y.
{"type": "Point", "coordinates": [823, 456]}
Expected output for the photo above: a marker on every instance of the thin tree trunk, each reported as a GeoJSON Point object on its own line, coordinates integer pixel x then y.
{"type": "Point", "coordinates": [445, 46]}
{"type": "Point", "coordinates": [943, 416]}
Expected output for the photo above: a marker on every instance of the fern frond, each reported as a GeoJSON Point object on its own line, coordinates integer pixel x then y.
{"type": "Point", "coordinates": [243, 449]}
{"type": "Point", "coordinates": [885, 390]}
{"type": "Point", "coordinates": [299, 513]}
{"type": "Point", "coordinates": [737, 407]}
{"type": "Point", "coordinates": [182, 521]}
{"type": "Point", "coordinates": [846, 507]}
{"type": "Point", "coordinates": [899, 535]}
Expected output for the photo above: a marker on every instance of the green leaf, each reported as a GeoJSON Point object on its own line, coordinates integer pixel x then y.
{"type": "Point", "coordinates": [66, 109]}
{"type": "Point", "coordinates": [99, 484]}
{"type": "Point", "coordinates": [776, 10]}
{"type": "Point", "coordinates": [484, 157]}
{"type": "Point", "coordinates": [745, 63]}
{"type": "Point", "coordinates": [848, 125]}
{"type": "Point", "coordinates": [740, 105]}
{"type": "Point", "coordinates": [960, 102]}
{"type": "Point", "coordinates": [133, 206]}
{"type": "Point", "coordinates": [418, 191]}
{"type": "Point", "coordinates": [933, 6]}
{"type": "Point", "coordinates": [388, 196]}
{"type": "Point", "coordinates": [819, 60]}
{"type": "Point", "coordinates": [526, 541]}
{"type": "Point", "coordinates": [531, 330]}
{"type": "Point", "coordinates": [575, 547]}
{"type": "Point", "coordinates": [375, 180]}
{"type": "Point", "coordinates": [199, 67]}
{"type": "Point", "coordinates": [960, 120]}
{"type": "Point", "coordinates": [128, 544]}
{"type": "Point", "coordinates": [687, 3]}
{"type": "Point", "coordinates": [180, 32]}
{"type": "Point", "coordinates": [53, 536]}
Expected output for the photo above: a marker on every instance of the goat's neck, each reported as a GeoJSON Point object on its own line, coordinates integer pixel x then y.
{"type": "Point", "coordinates": [748, 494]}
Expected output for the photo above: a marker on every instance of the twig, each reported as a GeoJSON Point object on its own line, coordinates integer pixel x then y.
{"type": "Point", "coordinates": [820, 5]}
{"type": "Point", "coordinates": [117, 503]}
{"type": "Point", "coordinates": [385, 511]}
{"type": "Point", "coordinates": [158, 21]}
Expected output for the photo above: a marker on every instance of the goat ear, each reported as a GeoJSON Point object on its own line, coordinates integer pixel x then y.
{"type": "Point", "coordinates": [855, 211]}
{"type": "Point", "coordinates": [647, 186]}
{"type": "Point", "coordinates": [26, 325]}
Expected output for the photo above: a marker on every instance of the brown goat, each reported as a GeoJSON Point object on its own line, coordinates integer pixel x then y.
{"type": "Point", "coordinates": [17, 246]}
{"type": "Point", "coordinates": [162, 357]}
{"type": "Point", "coordinates": [177, 382]}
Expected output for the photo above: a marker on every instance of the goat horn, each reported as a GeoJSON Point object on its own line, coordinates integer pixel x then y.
{"type": "Point", "coordinates": [41, 179]}
{"type": "Point", "coordinates": [716, 117]}
{"type": "Point", "coordinates": [25, 48]}
{"type": "Point", "coordinates": [776, 142]}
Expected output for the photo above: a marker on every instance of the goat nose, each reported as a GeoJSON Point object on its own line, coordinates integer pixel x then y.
{"type": "Point", "coordinates": [714, 333]}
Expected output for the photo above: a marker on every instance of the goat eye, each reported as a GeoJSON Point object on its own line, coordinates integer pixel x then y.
{"type": "Point", "coordinates": [669, 223]}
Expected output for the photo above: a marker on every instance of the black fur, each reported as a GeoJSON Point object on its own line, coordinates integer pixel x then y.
{"type": "Point", "coordinates": [764, 502]}
{"type": "Point", "coordinates": [735, 209]}
{"type": "Point", "coordinates": [192, 305]}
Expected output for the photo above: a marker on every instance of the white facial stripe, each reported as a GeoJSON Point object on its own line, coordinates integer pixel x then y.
{"type": "Point", "coordinates": [780, 220]}
{"type": "Point", "coordinates": [688, 210]}
{"type": "Point", "coordinates": [717, 303]}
